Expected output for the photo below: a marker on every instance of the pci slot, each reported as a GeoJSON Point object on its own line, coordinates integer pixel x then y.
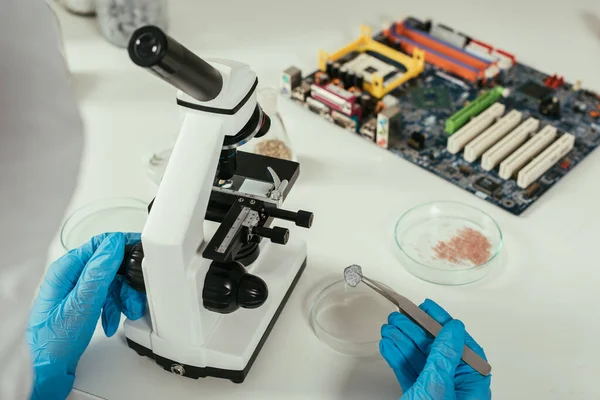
{"type": "Point", "coordinates": [477, 125]}
{"type": "Point", "coordinates": [545, 161]}
{"type": "Point", "coordinates": [461, 117]}
{"type": "Point", "coordinates": [494, 133]}
{"type": "Point", "coordinates": [508, 144]}
{"type": "Point", "coordinates": [526, 152]}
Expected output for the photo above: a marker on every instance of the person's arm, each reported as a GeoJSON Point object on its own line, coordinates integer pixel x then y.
{"type": "Point", "coordinates": [40, 150]}
{"type": "Point", "coordinates": [79, 288]}
{"type": "Point", "coordinates": [429, 368]}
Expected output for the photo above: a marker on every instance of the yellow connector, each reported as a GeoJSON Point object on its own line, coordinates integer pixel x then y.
{"type": "Point", "coordinates": [414, 65]}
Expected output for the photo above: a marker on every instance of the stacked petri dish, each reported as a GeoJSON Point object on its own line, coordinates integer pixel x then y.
{"type": "Point", "coordinates": [107, 215]}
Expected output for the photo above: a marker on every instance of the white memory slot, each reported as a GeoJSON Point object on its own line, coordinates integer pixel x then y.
{"type": "Point", "coordinates": [508, 144]}
{"type": "Point", "coordinates": [465, 134]}
{"type": "Point", "coordinates": [480, 51]}
{"type": "Point", "coordinates": [546, 160]}
{"type": "Point", "coordinates": [526, 152]}
{"type": "Point", "coordinates": [491, 135]}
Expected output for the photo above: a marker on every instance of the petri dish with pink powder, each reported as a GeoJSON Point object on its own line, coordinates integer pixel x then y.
{"type": "Point", "coordinates": [447, 243]}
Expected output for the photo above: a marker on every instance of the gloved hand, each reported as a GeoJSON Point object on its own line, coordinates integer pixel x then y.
{"type": "Point", "coordinates": [432, 369]}
{"type": "Point", "coordinates": [77, 287]}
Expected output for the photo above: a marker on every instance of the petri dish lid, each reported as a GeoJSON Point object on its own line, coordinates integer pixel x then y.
{"type": "Point", "coordinates": [108, 215]}
{"type": "Point", "coordinates": [349, 319]}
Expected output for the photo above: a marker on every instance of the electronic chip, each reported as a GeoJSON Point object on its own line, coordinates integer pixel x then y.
{"type": "Point", "coordinates": [435, 97]}
{"type": "Point", "coordinates": [416, 141]}
{"type": "Point", "coordinates": [532, 190]}
{"type": "Point", "coordinates": [535, 90]}
{"type": "Point", "coordinates": [551, 176]}
{"type": "Point", "coordinates": [486, 185]}
{"type": "Point", "coordinates": [465, 170]}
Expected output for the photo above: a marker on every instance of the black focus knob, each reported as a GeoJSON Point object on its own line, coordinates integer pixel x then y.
{"type": "Point", "coordinates": [252, 292]}
{"type": "Point", "coordinates": [228, 286]}
{"type": "Point", "coordinates": [301, 218]}
{"type": "Point", "coordinates": [276, 234]}
{"type": "Point", "coordinates": [131, 267]}
{"type": "Point", "coordinates": [304, 219]}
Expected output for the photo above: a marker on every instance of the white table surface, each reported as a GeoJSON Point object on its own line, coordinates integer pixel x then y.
{"type": "Point", "coordinates": [537, 318]}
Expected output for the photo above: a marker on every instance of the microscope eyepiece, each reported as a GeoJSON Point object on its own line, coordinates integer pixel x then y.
{"type": "Point", "coordinates": [149, 47]}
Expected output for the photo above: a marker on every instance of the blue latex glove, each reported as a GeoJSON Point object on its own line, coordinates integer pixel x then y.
{"type": "Point", "coordinates": [77, 288]}
{"type": "Point", "coordinates": [432, 369]}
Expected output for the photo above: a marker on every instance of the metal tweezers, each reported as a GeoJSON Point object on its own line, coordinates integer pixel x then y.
{"type": "Point", "coordinates": [430, 325]}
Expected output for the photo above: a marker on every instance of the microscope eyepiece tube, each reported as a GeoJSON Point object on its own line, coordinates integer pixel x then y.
{"type": "Point", "coordinates": [149, 47]}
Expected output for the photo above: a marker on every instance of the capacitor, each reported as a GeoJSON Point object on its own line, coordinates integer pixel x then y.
{"type": "Point", "coordinates": [335, 70]}
{"type": "Point", "coordinates": [329, 67]}
{"type": "Point", "coordinates": [359, 80]}
{"type": "Point", "coordinates": [343, 75]}
{"type": "Point", "coordinates": [366, 104]}
{"type": "Point", "coordinates": [349, 81]}
{"type": "Point", "coordinates": [322, 78]}
{"type": "Point", "coordinates": [365, 99]}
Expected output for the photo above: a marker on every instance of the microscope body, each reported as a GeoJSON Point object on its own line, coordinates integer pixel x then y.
{"type": "Point", "coordinates": [206, 267]}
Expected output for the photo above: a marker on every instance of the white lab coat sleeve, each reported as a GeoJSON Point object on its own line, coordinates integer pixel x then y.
{"type": "Point", "coordinates": [40, 151]}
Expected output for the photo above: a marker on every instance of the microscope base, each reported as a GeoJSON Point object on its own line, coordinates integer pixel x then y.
{"type": "Point", "coordinates": [233, 375]}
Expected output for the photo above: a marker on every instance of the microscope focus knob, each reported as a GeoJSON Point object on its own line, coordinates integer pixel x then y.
{"type": "Point", "coordinates": [276, 234]}
{"type": "Point", "coordinates": [228, 286]}
{"type": "Point", "coordinates": [131, 267]}
{"type": "Point", "coordinates": [303, 219]}
{"type": "Point", "coordinates": [252, 292]}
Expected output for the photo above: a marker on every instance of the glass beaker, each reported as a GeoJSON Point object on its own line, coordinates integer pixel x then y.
{"type": "Point", "coordinates": [276, 143]}
{"type": "Point", "coordinates": [118, 19]}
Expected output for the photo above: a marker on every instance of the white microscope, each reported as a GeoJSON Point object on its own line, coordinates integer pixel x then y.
{"type": "Point", "coordinates": [215, 288]}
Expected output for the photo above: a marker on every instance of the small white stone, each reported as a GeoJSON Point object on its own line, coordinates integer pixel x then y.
{"type": "Point", "coordinates": [353, 275]}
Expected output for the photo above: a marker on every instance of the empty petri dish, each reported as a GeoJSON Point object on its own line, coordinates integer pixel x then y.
{"type": "Point", "coordinates": [349, 319]}
{"type": "Point", "coordinates": [447, 243]}
{"type": "Point", "coordinates": [108, 215]}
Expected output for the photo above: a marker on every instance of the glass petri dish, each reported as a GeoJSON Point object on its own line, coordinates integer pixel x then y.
{"type": "Point", "coordinates": [349, 319]}
{"type": "Point", "coordinates": [108, 215]}
{"type": "Point", "coordinates": [447, 243]}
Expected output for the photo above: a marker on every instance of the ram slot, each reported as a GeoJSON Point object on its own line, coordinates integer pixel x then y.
{"type": "Point", "coordinates": [465, 134]}
{"type": "Point", "coordinates": [545, 161]}
{"type": "Point", "coordinates": [491, 135]}
{"type": "Point", "coordinates": [526, 152]}
{"type": "Point", "coordinates": [508, 144]}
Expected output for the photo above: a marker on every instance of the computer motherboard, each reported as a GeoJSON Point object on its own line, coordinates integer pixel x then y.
{"type": "Point", "coordinates": [455, 106]}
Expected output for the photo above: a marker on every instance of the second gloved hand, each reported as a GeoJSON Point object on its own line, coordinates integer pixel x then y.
{"type": "Point", "coordinates": [429, 369]}
{"type": "Point", "coordinates": [78, 288]}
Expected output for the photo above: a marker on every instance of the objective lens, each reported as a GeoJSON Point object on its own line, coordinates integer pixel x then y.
{"type": "Point", "coordinates": [264, 129]}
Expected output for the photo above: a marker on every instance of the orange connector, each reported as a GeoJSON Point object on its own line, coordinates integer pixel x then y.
{"type": "Point", "coordinates": [444, 56]}
{"type": "Point", "coordinates": [554, 81]}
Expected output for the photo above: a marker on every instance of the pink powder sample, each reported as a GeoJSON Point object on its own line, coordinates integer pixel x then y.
{"type": "Point", "coordinates": [467, 245]}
